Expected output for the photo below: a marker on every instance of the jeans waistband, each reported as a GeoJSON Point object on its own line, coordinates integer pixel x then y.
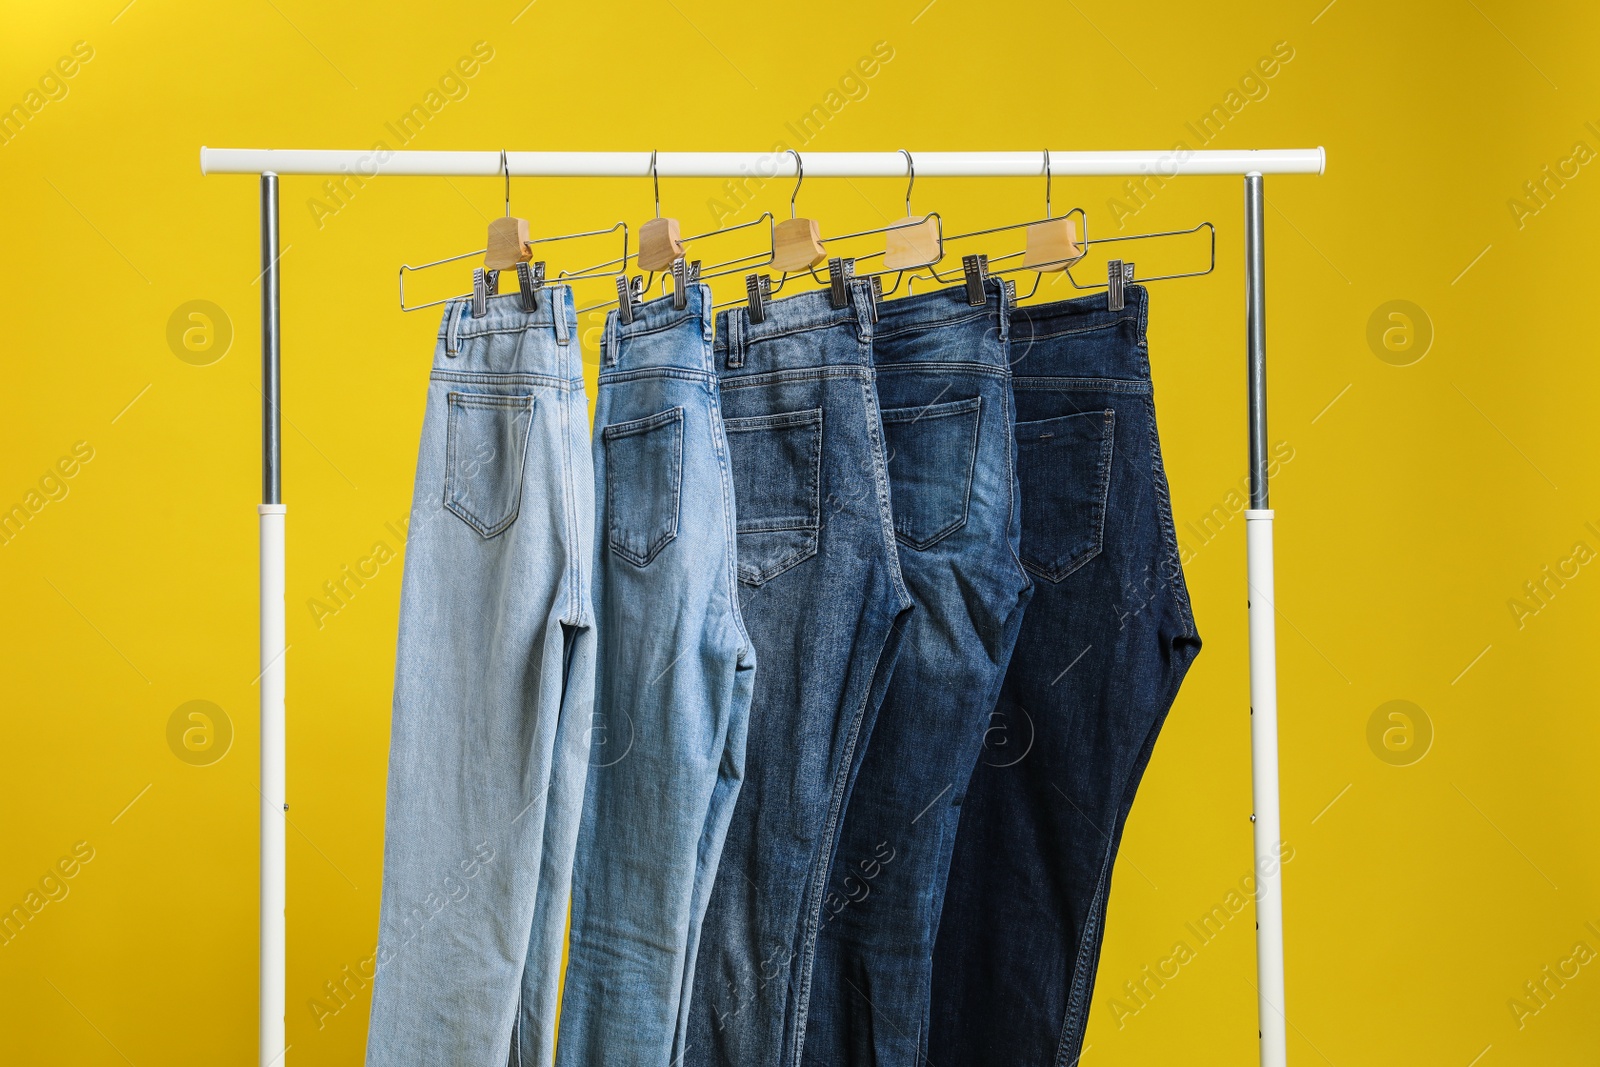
{"type": "Point", "coordinates": [942, 326]}
{"type": "Point", "coordinates": [735, 333]}
{"type": "Point", "coordinates": [1081, 338]}
{"type": "Point", "coordinates": [508, 340]}
{"type": "Point", "coordinates": [683, 335]}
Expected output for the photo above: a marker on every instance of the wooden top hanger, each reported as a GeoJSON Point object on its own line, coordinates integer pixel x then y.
{"type": "Point", "coordinates": [798, 242]}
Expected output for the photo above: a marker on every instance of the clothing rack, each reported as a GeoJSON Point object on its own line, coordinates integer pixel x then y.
{"type": "Point", "coordinates": [269, 164]}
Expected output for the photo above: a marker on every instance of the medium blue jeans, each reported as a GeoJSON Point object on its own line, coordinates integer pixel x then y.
{"type": "Point", "coordinates": [824, 604]}
{"type": "Point", "coordinates": [494, 681]}
{"type": "Point", "coordinates": [945, 391]}
{"type": "Point", "coordinates": [1104, 646]}
{"type": "Point", "coordinates": [672, 697]}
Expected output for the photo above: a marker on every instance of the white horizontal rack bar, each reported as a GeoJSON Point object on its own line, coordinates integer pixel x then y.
{"type": "Point", "coordinates": [378, 160]}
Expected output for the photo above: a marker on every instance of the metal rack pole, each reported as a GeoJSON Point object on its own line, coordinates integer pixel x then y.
{"type": "Point", "coordinates": [1263, 649]}
{"type": "Point", "coordinates": [274, 939]}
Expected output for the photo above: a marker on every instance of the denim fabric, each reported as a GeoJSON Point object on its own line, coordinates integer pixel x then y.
{"type": "Point", "coordinates": [494, 683]}
{"type": "Point", "coordinates": [1105, 643]}
{"type": "Point", "coordinates": [672, 697]}
{"type": "Point", "coordinates": [945, 392]}
{"type": "Point", "coordinates": [823, 602]}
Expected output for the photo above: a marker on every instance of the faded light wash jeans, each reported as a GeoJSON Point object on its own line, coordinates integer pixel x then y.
{"type": "Point", "coordinates": [672, 694]}
{"type": "Point", "coordinates": [1105, 644]}
{"type": "Point", "coordinates": [824, 605]}
{"type": "Point", "coordinates": [494, 685]}
{"type": "Point", "coordinates": [945, 392]}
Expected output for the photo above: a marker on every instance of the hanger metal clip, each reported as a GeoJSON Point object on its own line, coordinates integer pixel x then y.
{"type": "Point", "coordinates": [627, 296]}
{"type": "Point", "coordinates": [976, 268]}
{"type": "Point", "coordinates": [758, 288]}
{"type": "Point", "coordinates": [485, 283]}
{"type": "Point", "coordinates": [530, 279]}
{"type": "Point", "coordinates": [841, 272]}
{"type": "Point", "coordinates": [1118, 275]}
{"type": "Point", "coordinates": [684, 274]}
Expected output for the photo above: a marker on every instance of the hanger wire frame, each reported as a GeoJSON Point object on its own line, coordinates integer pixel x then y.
{"type": "Point", "coordinates": [404, 267]}
{"type": "Point", "coordinates": [1211, 266]}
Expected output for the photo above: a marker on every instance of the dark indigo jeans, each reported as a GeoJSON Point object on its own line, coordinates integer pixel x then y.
{"type": "Point", "coordinates": [672, 691]}
{"type": "Point", "coordinates": [823, 603]}
{"type": "Point", "coordinates": [945, 392]}
{"type": "Point", "coordinates": [1105, 643]}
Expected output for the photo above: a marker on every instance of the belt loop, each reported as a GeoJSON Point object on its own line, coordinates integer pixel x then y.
{"type": "Point", "coordinates": [451, 340]}
{"type": "Point", "coordinates": [558, 311]}
{"type": "Point", "coordinates": [610, 339]}
{"type": "Point", "coordinates": [1144, 315]}
{"type": "Point", "coordinates": [861, 299]}
{"type": "Point", "coordinates": [1007, 295]}
{"type": "Point", "coordinates": [736, 327]}
{"type": "Point", "coordinates": [707, 316]}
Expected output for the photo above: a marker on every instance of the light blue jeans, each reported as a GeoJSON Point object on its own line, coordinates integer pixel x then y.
{"type": "Point", "coordinates": [494, 684]}
{"type": "Point", "coordinates": [673, 693]}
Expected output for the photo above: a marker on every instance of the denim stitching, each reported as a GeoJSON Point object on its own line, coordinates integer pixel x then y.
{"type": "Point", "coordinates": [1073, 1018]}
{"type": "Point", "coordinates": [944, 366]}
{"type": "Point", "coordinates": [643, 373]}
{"type": "Point", "coordinates": [805, 374]}
{"type": "Point", "coordinates": [1090, 385]}
{"type": "Point", "coordinates": [1179, 589]}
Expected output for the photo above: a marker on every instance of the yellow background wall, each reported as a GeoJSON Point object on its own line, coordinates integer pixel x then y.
{"type": "Point", "coordinates": [1428, 481]}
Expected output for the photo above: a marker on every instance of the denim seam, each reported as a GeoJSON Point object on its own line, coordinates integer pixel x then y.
{"type": "Point", "coordinates": [1113, 324]}
{"type": "Point", "coordinates": [773, 377]}
{"type": "Point", "coordinates": [1013, 499]}
{"type": "Point", "coordinates": [1169, 531]}
{"type": "Point", "coordinates": [1082, 972]}
{"type": "Point", "coordinates": [789, 331]}
{"type": "Point", "coordinates": [491, 378]}
{"type": "Point", "coordinates": [880, 472]}
{"type": "Point", "coordinates": [573, 613]}
{"type": "Point", "coordinates": [615, 376]}
{"type": "Point", "coordinates": [931, 324]}
{"type": "Point", "coordinates": [719, 441]}
{"type": "Point", "coordinates": [491, 331]}
{"type": "Point", "coordinates": [632, 332]}
{"type": "Point", "coordinates": [950, 366]}
{"type": "Point", "coordinates": [1066, 385]}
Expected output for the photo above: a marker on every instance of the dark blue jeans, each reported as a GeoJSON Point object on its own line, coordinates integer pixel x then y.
{"type": "Point", "coordinates": [945, 392]}
{"type": "Point", "coordinates": [822, 600]}
{"type": "Point", "coordinates": [1105, 643]}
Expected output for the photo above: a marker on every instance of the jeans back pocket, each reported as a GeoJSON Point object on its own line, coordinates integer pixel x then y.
{"type": "Point", "coordinates": [486, 438]}
{"type": "Point", "coordinates": [1064, 467]}
{"type": "Point", "coordinates": [932, 450]}
{"type": "Point", "coordinates": [777, 466]}
{"type": "Point", "coordinates": [644, 476]}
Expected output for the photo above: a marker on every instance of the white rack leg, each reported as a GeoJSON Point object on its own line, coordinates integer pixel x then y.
{"type": "Point", "coordinates": [273, 804]}
{"type": "Point", "coordinates": [1264, 776]}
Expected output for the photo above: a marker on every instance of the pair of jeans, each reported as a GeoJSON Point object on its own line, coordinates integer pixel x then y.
{"type": "Point", "coordinates": [1105, 643]}
{"type": "Point", "coordinates": [944, 386]}
{"type": "Point", "coordinates": [672, 697]}
{"type": "Point", "coordinates": [823, 602]}
{"type": "Point", "coordinates": [494, 683]}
